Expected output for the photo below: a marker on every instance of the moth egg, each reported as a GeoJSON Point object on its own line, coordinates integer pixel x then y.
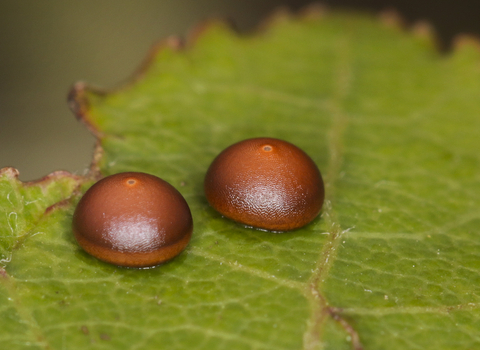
{"type": "Point", "coordinates": [265, 183]}
{"type": "Point", "coordinates": [132, 219]}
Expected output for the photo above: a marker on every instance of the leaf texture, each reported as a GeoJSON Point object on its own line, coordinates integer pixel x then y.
{"type": "Point", "coordinates": [393, 261]}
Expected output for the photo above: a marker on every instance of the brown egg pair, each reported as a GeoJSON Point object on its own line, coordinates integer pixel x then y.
{"type": "Point", "coordinates": [138, 220]}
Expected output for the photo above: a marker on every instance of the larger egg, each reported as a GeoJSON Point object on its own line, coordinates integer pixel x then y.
{"type": "Point", "coordinates": [133, 219]}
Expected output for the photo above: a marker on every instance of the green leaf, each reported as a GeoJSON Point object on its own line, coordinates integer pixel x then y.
{"type": "Point", "coordinates": [393, 261]}
{"type": "Point", "coordinates": [23, 205]}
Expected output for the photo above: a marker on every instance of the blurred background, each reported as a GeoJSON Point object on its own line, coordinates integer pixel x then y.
{"type": "Point", "coordinates": [46, 46]}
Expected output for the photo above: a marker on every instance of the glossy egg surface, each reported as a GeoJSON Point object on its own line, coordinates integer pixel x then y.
{"type": "Point", "coordinates": [133, 219]}
{"type": "Point", "coordinates": [266, 183]}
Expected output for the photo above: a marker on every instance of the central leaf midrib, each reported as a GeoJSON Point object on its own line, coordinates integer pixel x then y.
{"type": "Point", "coordinates": [320, 309]}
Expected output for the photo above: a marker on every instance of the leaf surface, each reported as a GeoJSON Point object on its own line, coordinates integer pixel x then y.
{"type": "Point", "coordinates": [393, 261]}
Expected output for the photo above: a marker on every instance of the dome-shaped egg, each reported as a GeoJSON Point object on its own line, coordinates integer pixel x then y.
{"type": "Point", "coordinates": [133, 219]}
{"type": "Point", "coordinates": [265, 183]}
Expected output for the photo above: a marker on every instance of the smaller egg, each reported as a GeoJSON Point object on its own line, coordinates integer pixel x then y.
{"type": "Point", "coordinates": [132, 219]}
{"type": "Point", "coordinates": [265, 183]}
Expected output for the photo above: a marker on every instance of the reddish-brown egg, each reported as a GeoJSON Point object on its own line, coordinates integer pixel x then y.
{"type": "Point", "coordinates": [265, 183]}
{"type": "Point", "coordinates": [133, 219]}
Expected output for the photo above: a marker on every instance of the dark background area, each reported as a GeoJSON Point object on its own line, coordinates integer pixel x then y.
{"type": "Point", "coordinates": [46, 46]}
